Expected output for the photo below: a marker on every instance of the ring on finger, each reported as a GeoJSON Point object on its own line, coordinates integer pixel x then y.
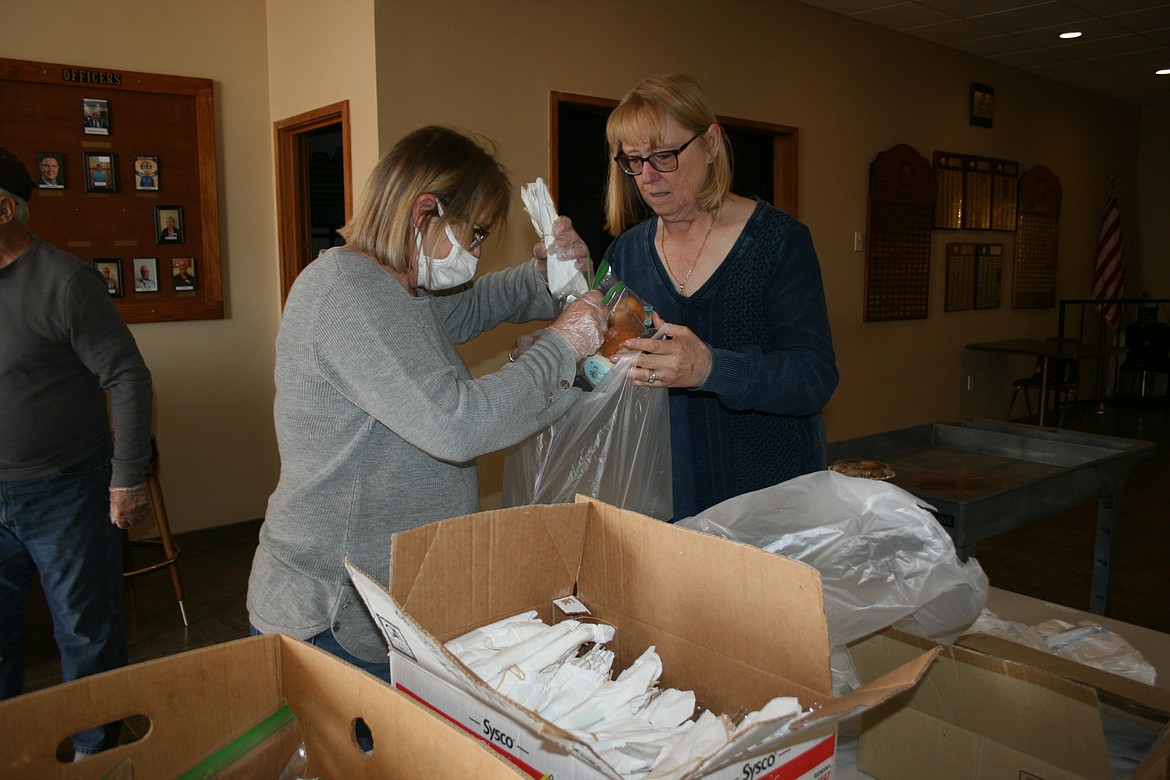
{"type": "Point", "coordinates": [652, 378]}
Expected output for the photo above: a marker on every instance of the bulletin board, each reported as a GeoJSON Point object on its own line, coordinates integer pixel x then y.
{"type": "Point", "coordinates": [137, 191]}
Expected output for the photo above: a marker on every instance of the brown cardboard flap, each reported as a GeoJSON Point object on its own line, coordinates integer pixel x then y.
{"type": "Point", "coordinates": [884, 687]}
{"type": "Point", "coordinates": [996, 702]}
{"type": "Point", "coordinates": [455, 575]}
{"type": "Point", "coordinates": [1114, 689]}
{"type": "Point", "coordinates": [728, 599]}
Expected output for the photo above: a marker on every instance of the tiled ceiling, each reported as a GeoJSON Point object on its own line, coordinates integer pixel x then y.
{"type": "Point", "coordinates": [1123, 43]}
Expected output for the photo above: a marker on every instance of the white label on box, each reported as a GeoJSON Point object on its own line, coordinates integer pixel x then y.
{"type": "Point", "coordinates": [571, 605]}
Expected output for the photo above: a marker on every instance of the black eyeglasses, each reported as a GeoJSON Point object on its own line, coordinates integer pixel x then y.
{"type": "Point", "coordinates": [664, 161]}
{"type": "Point", "coordinates": [478, 236]}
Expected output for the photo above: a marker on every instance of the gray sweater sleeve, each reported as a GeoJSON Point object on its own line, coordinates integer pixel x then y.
{"type": "Point", "coordinates": [392, 355]}
{"type": "Point", "coordinates": [512, 295]}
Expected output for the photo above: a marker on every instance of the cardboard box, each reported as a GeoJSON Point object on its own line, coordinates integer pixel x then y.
{"type": "Point", "coordinates": [983, 717]}
{"type": "Point", "coordinates": [736, 625]}
{"type": "Point", "coordinates": [1118, 696]}
{"type": "Point", "coordinates": [200, 700]}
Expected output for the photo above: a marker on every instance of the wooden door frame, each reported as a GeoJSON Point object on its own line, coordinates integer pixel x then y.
{"type": "Point", "coordinates": [292, 184]}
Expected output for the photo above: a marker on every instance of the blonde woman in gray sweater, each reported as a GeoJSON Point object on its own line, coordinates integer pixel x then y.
{"type": "Point", "coordinates": [378, 419]}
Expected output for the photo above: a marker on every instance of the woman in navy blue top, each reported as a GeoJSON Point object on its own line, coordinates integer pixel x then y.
{"type": "Point", "coordinates": [749, 361]}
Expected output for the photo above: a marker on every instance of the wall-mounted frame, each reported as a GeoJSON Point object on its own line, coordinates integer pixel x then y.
{"type": "Point", "coordinates": [100, 173]}
{"type": "Point", "coordinates": [95, 116]}
{"type": "Point", "coordinates": [146, 173]}
{"type": "Point", "coordinates": [111, 269]}
{"type": "Point", "coordinates": [171, 118]}
{"type": "Point", "coordinates": [145, 271]}
{"type": "Point", "coordinates": [51, 171]}
{"type": "Point", "coordinates": [168, 224]}
{"type": "Point", "coordinates": [982, 109]}
{"type": "Point", "coordinates": [184, 277]}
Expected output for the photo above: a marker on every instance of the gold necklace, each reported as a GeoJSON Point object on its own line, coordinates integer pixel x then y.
{"type": "Point", "coordinates": [682, 285]}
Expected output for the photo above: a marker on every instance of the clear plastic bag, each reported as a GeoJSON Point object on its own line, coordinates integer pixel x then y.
{"type": "Point", "coordinates": [273, 748]}
{"type": "Point", "coordinates": [884, 560]}
{"type": "Point", "coordinates": [612, 445]}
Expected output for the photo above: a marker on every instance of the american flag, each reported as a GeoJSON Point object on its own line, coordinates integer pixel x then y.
{"type": "Point", "coordinates": [1109, 272]}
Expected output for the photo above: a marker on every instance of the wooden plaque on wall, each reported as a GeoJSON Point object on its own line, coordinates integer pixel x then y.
{"type": "Point", "coordinates": [977, 193]}
{"type": "Point", "coordinates": [1004, 194]}
{"type": "Point", "coordinates": [1036, 240]}
{"type": "Point", "coordinates": [988, 275]}
{"type": "Point", "coordinates": [901, 214]}
{"type": "Point", "coordinates": [135, 150]}
{"type": "Point", "coordinates": [961, 278]}
{"type": "Point", "coordinates": [948, 204]}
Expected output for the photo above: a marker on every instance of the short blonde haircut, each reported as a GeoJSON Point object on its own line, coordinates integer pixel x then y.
{"type": "Point", "coordinates": [641, 118]}
{"type": "Point", "coordinates": [444, 162]}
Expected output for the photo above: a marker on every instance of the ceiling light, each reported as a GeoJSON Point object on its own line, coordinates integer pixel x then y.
{"type": "Point", "coordinates": [1162, 72]}
{"type": "Point", "coordinates": [1070, 35]}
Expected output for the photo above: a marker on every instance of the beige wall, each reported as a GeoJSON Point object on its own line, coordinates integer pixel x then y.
{"type": "Point", "coordinates": [853, 91]}
{"type": "Point", "coordinates": [212, 379]}
{"type": "Point", "coordinates": [1152, 205]}
{"type": "Point", "coordinates": [320, 54]}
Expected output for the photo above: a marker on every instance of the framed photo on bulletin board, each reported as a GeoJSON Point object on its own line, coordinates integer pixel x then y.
{"type": "Point", "coordinates": [111, 269]}
{"type": "Point", "coordinates": [146, 173]}
{"type": "Point", "coordinates": [50, 172]}
{"type": "Point", "coordinates": [168, 223]}
{"type": "Point", "coordinates": [116, 132]}
{"type": "Point", "coordinates": [100, 175]}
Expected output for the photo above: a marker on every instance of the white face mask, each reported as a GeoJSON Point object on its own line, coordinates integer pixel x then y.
{"type": "Point", "coordinates": [446, 272]}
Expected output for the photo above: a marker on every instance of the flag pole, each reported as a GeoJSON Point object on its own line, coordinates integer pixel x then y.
{"type": "Point", "coordinates": [1109, 278]}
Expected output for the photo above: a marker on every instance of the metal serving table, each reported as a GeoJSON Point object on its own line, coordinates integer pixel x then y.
{"type": "Point", "coordinates": [985, 477]}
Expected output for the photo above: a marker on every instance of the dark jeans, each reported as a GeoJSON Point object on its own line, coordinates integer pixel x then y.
{"type": "Point", "coordinates": [59, 526]}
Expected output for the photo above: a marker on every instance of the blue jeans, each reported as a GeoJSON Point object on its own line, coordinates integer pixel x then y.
{"type": "Point", "coordinates": [326, 641]}
{"type": "Point", "coordinates": [59, 526]}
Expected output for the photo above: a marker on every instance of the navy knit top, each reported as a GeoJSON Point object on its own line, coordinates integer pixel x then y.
{"type": "Point", "coordinates": [757, 419]}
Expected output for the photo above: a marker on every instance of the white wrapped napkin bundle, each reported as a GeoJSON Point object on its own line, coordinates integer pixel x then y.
{"type": "Point", "coordinates": [564, 279]}
{"type": "Point", "coordinates": [563, 673]}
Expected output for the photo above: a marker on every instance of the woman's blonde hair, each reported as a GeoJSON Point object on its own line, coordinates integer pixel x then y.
{"type": "Point", "coordinates": [450, 165]}
{"type": "Point", "coordinates": [641, 118]}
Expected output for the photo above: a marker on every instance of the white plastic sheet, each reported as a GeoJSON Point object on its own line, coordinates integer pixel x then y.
{"type": "Point", "coordinates": [564, 278]}
{"type": "Point", "coordinates": [883, 559]}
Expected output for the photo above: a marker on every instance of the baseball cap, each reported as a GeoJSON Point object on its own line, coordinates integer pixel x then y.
{"type": "Point", "coordinates": [14, 175]}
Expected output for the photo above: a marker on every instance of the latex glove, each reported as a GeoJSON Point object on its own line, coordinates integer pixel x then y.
{"type": "Point", "coordinates": [523, 343]}
{"type": "Point", "coordinates": [129, 505]}
{"type": "Point", "coordinates": [570, 255]}
{"type": "Point", "coordinates": [583, 324]}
